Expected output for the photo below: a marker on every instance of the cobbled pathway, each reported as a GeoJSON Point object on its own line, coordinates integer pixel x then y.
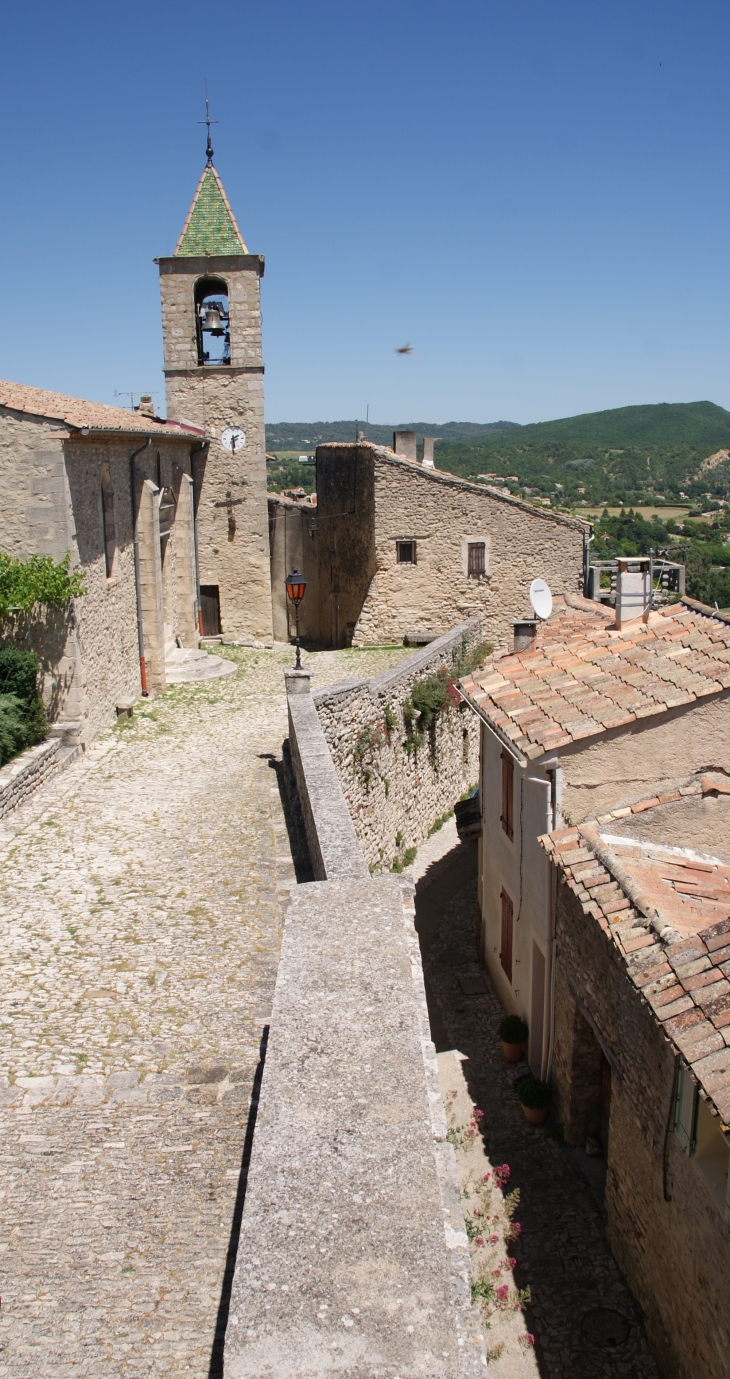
{"type": "Point", "coordinates": [141, 897]}
{"type": "Point", "coordinates": [561, 1255]}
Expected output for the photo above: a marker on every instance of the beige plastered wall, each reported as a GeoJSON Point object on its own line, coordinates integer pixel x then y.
{"type": "Point", "coordinates": [231, 499]}
{"type": "Point", "coordinates": [653, 754]}
{"type": "Point", "coordinates": [443, 515]}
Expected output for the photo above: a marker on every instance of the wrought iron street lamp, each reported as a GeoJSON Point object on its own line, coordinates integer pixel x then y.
{"type": "Point", "coordinates": [295, 587]}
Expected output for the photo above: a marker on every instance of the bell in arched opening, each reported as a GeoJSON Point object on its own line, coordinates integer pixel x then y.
{"type": "Point", "coordinates": [212, 322]}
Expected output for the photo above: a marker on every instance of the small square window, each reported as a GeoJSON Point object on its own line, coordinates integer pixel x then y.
{"type": "Point", "coordinates": [477, 559]}
{"type": "Point", "coordinates": [406, 552]}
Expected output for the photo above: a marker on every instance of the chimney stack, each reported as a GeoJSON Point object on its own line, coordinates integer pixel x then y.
{"type": "Point", "coordinates": [525, 634]}
{"type": "Point", "coordinates": [633, 589]}
{"type": "Point", "coordinates": [427, 461]}
{"type": "Point", "coordinates": [404, 443]}
{"type": "Point", "coordinates": [145, 405]}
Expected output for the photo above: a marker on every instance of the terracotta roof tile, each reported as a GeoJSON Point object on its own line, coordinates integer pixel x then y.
{"type": "Point", "coordinates": [91, 416]}
{"type": "Point", "coordinates": [585, 677]}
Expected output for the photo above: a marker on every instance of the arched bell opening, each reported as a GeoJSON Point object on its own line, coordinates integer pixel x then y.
{"type": "Point", "coordinates": [212, 322]}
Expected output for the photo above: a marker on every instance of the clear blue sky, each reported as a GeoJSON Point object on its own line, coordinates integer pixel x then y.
{"type": "Point", "coordinates": [535, 196]}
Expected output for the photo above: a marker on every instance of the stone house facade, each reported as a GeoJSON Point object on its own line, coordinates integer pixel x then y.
{"type": "Point", "coordinates": [640, 1059]}
{"type": "Point", "coordinates": [74, 475]}
{"type": "Point", "coordinates": [211, 329]}
{"type": "Point", "coordinates": [404, 547]}
{"type": "Point", "coordinates": [293, 544]}
{"type": "Point", "coordinates": [584, 722]}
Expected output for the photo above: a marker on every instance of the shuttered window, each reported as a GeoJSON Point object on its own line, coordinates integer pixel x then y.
{"type": "Point", "coordinates": [506, 818]}
{"type": "Point", "coordinates": [477, 558]}
{"type": "Point", "coordinates": [685, 1109]}
{"type": "Point", "coordinates": [505, 955]}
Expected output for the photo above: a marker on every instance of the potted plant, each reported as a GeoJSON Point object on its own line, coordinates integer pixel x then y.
{"type": "Point", "coordinates": [513, 1032]}
{"type": "Point", "coordinates": [535, 1097]}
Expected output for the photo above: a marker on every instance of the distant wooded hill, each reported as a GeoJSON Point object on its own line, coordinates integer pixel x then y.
{"type": "Point", "coordinates": [626, 455]}
{"type": "Point", "coordinates": [290, 435]}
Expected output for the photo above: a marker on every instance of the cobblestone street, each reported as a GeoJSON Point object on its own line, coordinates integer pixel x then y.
{"type": "Point", "coordinates": [141, 901]}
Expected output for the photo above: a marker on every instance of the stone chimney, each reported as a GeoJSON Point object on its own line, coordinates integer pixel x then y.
{"type": "Point", "coordinates": [404, 443]}
{"type": "Point", "coordinates": [633, 589]}
{"type": "Point", "coordinates": [428, 443]}
{"type": "Point", "coordinates": [145, 405]}
{"type": "Point", "coordinates": [525, 634]}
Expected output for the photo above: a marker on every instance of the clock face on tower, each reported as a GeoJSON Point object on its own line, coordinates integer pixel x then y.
{"type": "Point", "coordinates": [233, 439]}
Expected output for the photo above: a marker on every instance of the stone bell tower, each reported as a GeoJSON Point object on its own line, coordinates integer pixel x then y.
{"type": "Point", "coordinates": [214, 377]}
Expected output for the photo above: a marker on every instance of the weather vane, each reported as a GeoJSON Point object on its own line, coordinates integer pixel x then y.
{"type": "Point", "coordinates": [207, 121]}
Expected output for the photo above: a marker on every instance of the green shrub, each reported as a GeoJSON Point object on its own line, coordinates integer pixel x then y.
{"type": "Point", "coordinates": [25, 584]}
{"type": "Point", "coordinates": [512, 1030]}
{"type": "Point", "coordinates": [19, 689]}
{"type": "Point", "coordinates": [533, 1093]}
{"type": "Point", "coordinates": [409, 856]}
{"type": "Point", "coordinates": [12, 727]}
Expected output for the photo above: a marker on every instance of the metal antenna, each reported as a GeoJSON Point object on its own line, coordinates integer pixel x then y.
{"type": "Point", "coordinates": [207, 121]}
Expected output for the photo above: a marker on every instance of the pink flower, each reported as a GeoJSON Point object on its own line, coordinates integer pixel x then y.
{"type": "Point", "coordinates": [526, 1340]}
{"type": "Point", "coordinates": [515, 1228]}
{"type": "Point", "coordinates": [496, 1273]}
{"type": "Point", "coordinates": [502, 1294]}
{"type": "Point", "coordinates": [501, 1174]}
{"type": "Point", "coordinates": [485, 1177]}
{"type": "Point", "coordinates": [478, 1115]}
{"type": "Point", "coordinates": [479, 1240]}
{"type": "Point", "coordinates": [493, 1239]}
{"type": "Point", "coordinates": [509, 1262]}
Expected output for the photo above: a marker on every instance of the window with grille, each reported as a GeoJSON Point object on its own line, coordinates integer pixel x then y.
{"type": "Point", "coordinates": [406, 552]}
{"type": "Point", "coordinates": [505, 956]}
{"type": "Point", "coordinates": [506, 818]}
{"type": "Point", "coordinates": [477, 558]}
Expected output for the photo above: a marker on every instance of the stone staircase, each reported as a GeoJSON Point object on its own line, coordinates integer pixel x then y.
{"type": "Point", "coordinates": [184, 663]}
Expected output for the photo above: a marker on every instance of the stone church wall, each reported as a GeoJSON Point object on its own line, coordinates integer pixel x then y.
{"type": "Point", "coordinates": [395, 796]}
{"type": "Point", "coordinates": [663, 1247]}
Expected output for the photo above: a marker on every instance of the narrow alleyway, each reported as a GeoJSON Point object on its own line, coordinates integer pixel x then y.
{"type": "Point", "coordinates": [580, 1305]}
{"type": "Point", "coordinates": [141, 902]}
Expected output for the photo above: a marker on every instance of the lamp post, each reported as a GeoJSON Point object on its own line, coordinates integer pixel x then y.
{"type": "Point", "coordinates": [295, 587]}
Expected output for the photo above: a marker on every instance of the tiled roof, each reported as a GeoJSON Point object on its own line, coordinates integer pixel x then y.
{"type": "Point", "coordinates": [210, 228]}
{"type": "Point", "coordinates": [667, 910]}
{"type": "Point", "coordinates": [91, 416]}
{"type": "Point", "coordinates": [584, 676]}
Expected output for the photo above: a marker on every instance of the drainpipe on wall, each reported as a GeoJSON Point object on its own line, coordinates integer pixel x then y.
{"type": "Point", "coordinates": [137, 580]}
{"type": "Point", "coordinates": [196, 450]}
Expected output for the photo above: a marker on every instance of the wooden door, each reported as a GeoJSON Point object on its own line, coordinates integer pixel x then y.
{"type": "Point", "coordinates": [505, 955]}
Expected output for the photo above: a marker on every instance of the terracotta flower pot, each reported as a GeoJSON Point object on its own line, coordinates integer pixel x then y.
{"type": "Point", "coordinates": [513, 1052]}
{"type": "Point", "coordinates": [536, 1115]}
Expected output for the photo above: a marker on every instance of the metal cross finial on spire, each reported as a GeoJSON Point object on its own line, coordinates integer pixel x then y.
{"type": "Point", "coordinates": [207, 121]}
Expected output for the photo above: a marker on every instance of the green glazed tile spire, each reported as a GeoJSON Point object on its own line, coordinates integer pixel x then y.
{"type": "Point", "coordinates": [210, 229]}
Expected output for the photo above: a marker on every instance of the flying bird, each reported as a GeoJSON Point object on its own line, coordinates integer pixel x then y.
{"type": "Point", "coordinates": [405, 349]}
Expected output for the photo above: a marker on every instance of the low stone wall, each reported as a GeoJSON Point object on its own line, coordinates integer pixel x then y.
{"type": "Point", "coordinates": [22, 776]}
{"type": "Point", "coordinates": [395, 796]}
{"type": "Point", "coordinates": [353, 1257]}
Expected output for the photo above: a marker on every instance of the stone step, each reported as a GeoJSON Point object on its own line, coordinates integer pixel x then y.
{"type": "Point", "coordinates": [183, 664]}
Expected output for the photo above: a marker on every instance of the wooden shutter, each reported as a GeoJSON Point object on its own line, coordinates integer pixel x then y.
{"type": "Point", "coordinates": [505, 956]}
{"type": "Point", "coordinates": [477, 562]}
{"type": "Point", "coordinates": [508, 792]}
{"type": "Point", "coordinates": [685, 1109]}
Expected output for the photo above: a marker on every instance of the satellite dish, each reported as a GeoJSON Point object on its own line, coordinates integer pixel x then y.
{"type": "Point", "coordinates": [541, 598]}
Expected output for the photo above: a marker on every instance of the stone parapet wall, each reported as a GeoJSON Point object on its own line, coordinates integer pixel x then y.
{"type": "Point", "coordinates": [353, 1255]}
{"type": "Point", "coordinates": [334, 850]}
{"type": "Point", "coordinates": [22, 776]}
{"type": "Point", "coordinates": [389, 791]}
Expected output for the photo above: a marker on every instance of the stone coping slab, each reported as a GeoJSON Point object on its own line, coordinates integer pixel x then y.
{"type": "Point", "coordinates": [353, 1256]}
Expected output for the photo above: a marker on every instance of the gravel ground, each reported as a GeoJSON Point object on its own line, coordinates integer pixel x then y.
{"type": "Point", "coordinates": [141, 897]}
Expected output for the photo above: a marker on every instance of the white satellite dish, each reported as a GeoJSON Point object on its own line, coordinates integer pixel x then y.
{"type": "Point", "coordinates": [541, 598]}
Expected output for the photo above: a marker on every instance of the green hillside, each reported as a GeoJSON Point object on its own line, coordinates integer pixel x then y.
{"type": "Point", "coordinates": [293, 435]}
{"type": "Point", "coordinates": [630, 455]}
